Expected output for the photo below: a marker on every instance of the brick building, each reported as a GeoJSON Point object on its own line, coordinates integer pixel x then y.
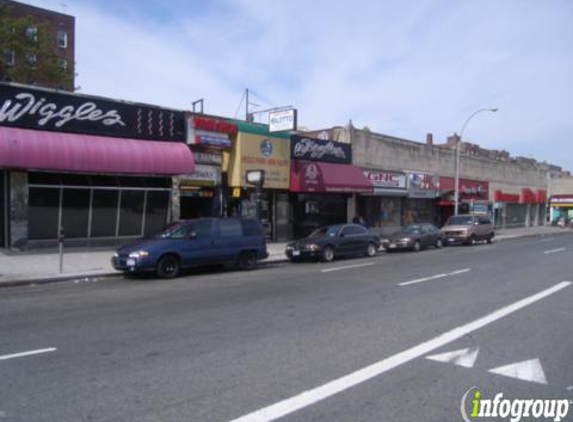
{"type": "Point", "coordinates": [24, 55]}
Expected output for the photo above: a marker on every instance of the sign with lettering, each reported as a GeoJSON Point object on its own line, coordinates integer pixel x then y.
{"type": "Point", "coordinates": [40, 109]}
{"type": "Point", "coordinates": [423, 185]}
{"type": "Point", "coordinates": [258, 152]}
{"type": "Point", "coordinates": [210, 131]}
{"type": "Point", "coordinates": [203, 175]}
{"type": "Point", "coordinates": [311, 149]}
{"type": "Point", "coordinates": [282, 120]}
{"type": "Point", "coordinates": [208, 157]}
{"type": "Point", "coordinates": [386, 179]}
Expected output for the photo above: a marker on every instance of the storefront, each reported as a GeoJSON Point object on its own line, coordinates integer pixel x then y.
{"type": "Point", "coordinates": [322, 180]}
{"type": "Point", "coordinates": [254, 148]}
{"type": "Point", "coordinates": [201, 192]}
{"type": "Point", "coordinates": [98, 169]}
{"type": "Point", "coordinates": [561, 209]}
{"type": "Point", "coordinates": [520, 207]}
{"type": "Point", "coordinates": [383, 208]}
{"type": "Point", "coordinates": [420, 204]}
{"type": "Point", "coordinates": [473, 194]}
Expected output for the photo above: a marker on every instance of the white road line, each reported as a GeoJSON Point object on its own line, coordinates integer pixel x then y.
{"type": "Point", "coordinates": [310, 397]}
{"type": "Point", "coordinates": [421, 280]}
{"type": "Point", "coordinates": [549, 239]}
{"type": "Point", "coordinates": [30, 353]}
{"type": "Point", "coordinates": [328, 270]}
{"type": "Point", "coordinates": [465, 270]}
{"type": "Point", "coordinates": [555, 250]}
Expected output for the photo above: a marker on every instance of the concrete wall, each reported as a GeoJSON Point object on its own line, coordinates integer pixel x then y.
{"type": "Point", "coordinates": [562, 186]}
{"type": "Point", "coordinates": [389, 153]}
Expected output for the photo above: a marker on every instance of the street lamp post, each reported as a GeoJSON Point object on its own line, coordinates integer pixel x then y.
{"type": "Point", "coordinates": [457, 178]}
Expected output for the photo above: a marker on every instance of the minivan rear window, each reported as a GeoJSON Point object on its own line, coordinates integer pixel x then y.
{"type": "Point", "coordinates": [230, 228]}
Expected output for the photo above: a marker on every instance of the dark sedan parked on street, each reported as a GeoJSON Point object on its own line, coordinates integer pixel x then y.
{"type": "Point", "coordinates": [193, 243]}
{"type": "Point", "coordinates": [414, 237]}
{"type": "Point", "coordinates": [329, 242]}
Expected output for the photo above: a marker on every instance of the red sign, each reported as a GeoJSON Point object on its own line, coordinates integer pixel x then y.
{"type": "Point", "coordinates": [211, 124]}
{"type": "Point", "coordinates": [499, 196]}
{"type": "Point", "coordinates": [469, 189]}
{"type": "Point", "coordinates": [527, 196]}
{"type": "Point", "coordinates": [541, 196]}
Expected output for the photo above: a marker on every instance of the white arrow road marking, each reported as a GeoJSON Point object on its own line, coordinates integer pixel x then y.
{"type": "Point", "coordinates": [308, 398]}
{"type": "Point", "coordinates": [434, 277]}
{"type": "Point", "coordinates": [347, 267]}
{"type": "Point", "coordinates": [463, 357]}
{"type": "Point", "coordinates": [30, 353]}
{"type": "Point", "coordinates": [528, 370]}
{"type": "Point", "coordinates": [555, 250]}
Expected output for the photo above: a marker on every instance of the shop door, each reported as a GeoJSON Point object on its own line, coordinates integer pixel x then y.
{"type": "Point", "coordinates": [3, 208]}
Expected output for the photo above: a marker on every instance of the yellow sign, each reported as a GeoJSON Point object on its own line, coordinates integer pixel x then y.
{"type": "Point", "coordinates": [236, 192]}
{"type": "Point", "coordinates": [259, 152]}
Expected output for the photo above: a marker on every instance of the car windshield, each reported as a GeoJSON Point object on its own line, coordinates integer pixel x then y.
{"type": "Point", "coordinates": [328, 231]}
{"type": "Point", "coordinates": [411, 229]}
{"type": "Point", "coordinates": [175, 231]}
{"type": "Point", "coordinates": [460, 221]}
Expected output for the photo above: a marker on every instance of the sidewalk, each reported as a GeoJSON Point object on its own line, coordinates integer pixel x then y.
{"type": "Point", "coordinates": [36, 267]}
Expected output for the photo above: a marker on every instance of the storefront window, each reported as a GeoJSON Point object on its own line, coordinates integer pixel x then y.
{"type": "Point", "coordinates": [131, 213]}
{"type": "Point", "coordinates": [312, 211]}
{"type": "Point", "coordinates": [75, 212]}
{"type": "Point", "coordinates": [43, 212]}
{"type": "Point", "coordinates": [156, 212]}
{"type": "Point", "coordinates": [381, 211]}
{"type": "Point", "coordinates": [104, 214]}
{"type": "Point", "coordinates": [418, 211]}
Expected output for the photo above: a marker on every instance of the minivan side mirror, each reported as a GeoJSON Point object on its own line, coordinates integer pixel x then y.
{"type": "Point", "coordinates": [192, 235]}
{"type": "Point", "coordinates": [476, 223]}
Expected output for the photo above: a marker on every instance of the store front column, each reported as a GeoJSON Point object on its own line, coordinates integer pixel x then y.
{"type": "Point", "coordinates": [18, 210]}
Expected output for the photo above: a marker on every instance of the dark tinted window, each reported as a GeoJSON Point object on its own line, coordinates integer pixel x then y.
{"type": "Point", "coordinates": [43, 179]}
{"type": "Point", "coordinates": [353, 230]}
{"type": "Point", "coordinates": [131, 213]}
{"type": "Point", "coordinates": [44, 204]}
{"type": "Point", "coordinates": [75, 179]}
{"type": "Point", "coordinates": [104, 181]}
{"type": "Point", "coordinates": [104, 213]}
{"type": "Point", "coordinates": [156, 212]}
{"type": "Point", "coordinates": [484, 220]}
{"type": "Point", "coordinates": [251, 227]}
{"type": "Point", "coordinates": [230, 228]}
{"type": "Point", "coordinates": [75, 212]}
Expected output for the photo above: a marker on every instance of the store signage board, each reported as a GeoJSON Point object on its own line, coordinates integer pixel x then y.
{"type": "Point", "coordinates": [312, 149]}
{"type": "Point", "coordinates": [282, 120]}
{"type": "Point", "coordinates": [33, 108]}
{"type": "Point", "coordinates": [385, 179]}
{"type": "Point", "coordinates": [203, 174]}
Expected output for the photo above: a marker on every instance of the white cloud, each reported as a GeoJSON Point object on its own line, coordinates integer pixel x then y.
{"type": "Point", "coordinates": [401, 68]}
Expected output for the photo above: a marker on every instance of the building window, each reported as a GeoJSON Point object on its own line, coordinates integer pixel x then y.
{"type": "Point", "coordinates": [62, 39]}
{"type": "Point", "coordinates": [31, 59]}
{"type": "Point", "coordinates": [9, 58]}
{"type": "Point", "coordinates": [62, 63]}
{"type": "Point", "coordinates": [32, 33]}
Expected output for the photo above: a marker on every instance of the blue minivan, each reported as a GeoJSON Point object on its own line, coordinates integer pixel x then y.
{"type": "Point", "coordinates": [193, 243]}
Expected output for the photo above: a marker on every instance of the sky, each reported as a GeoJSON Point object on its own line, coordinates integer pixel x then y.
{"type": "Point", "coordinates": [403, 68]}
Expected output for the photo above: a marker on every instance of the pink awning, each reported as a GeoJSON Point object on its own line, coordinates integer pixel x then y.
{"type": "Point", "coordinates": [307, 176]}
{"type": "Point", "coordinates": [43, 150]}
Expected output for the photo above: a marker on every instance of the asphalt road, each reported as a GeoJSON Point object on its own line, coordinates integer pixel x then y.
{"type": "Point", "coordinates": [399, 337]}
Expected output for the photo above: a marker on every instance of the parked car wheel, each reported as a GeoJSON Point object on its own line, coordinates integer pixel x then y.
{"type": "Point", "coordinates": [417, 247]}
{"type": "Point", "coordinates": [439, 243]}
{"type": "Point", "coordinates": [472, 240]}
{"type": "Point", "coordinates": [168, 266]}
{"type": "Point", "coordinates": [490, 238]}
{"type": "Point", "coordinates": [371, 250]}
{"type": "Point", "coordinates": [328, 254]}
{"type": "Point", "coordinates": [247, 260]}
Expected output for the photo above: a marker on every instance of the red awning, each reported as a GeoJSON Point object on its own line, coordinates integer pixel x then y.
{"type": "Point", "coordinates": [43, 150]}
{"type": "Point", "coordinates": [307, 176]}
